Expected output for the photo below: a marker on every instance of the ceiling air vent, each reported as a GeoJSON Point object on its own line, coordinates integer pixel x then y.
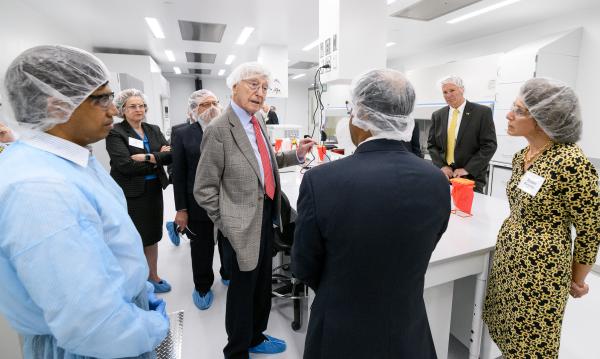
{"type": "Point", "coordinates": [427, 10]}
{"type": "Point", "coordinates": [199, 71]}
{"type": "Point", "coordinates": [199, 57]}
{"type": "Point", "coordinates": [201, 31]}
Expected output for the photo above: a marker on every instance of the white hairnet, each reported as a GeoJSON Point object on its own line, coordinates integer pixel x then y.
{"type": "Point", "coordinates": [197, 97]}
{"type": "Point", "coordinates": [248, 70]}
{"type": "Point", "coordinates": [555, 107]}
{"type": "Point", "coordinates": [382, 103]}
{"type": "Point", "coordinates": [452, 79]}
{"type": "Point", "coordinates": [122, 97]}
{"type": "Point", "coordinates": [45, 84]}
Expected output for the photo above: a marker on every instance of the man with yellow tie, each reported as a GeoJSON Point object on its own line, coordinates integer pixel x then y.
{"type": "Point", "coordinates": [462, 137]}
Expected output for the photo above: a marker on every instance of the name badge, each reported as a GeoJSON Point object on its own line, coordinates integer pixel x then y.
{"type": "Point", "coordinates": [531, 183]}
{"type": "Point", "coordinates": [136, 143]}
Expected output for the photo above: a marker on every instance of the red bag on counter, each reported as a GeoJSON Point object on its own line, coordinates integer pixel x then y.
{"type": "Point", "coordinates": [462, 195]}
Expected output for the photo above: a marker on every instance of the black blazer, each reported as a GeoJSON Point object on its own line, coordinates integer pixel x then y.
{"type": "Point", "coordinates": [367, 225]}
{"type": "Point", "coordinates": [475, 142]}
{"type": "Point", "coordinates": [272, 118]}
{"type": "Point", "coordinates": [185, 148]}
{"type": "Point", "coordinates": [128, 173]}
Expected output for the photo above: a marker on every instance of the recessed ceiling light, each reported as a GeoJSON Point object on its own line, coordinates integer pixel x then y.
{"type": "Point", "coordinates": [297, 76]}
{"type": "Point", "coordinates": [390, 44]}
{"type": "Point", "coordinates": [221, 72]}
{"type": "Point", "coordinates": [170, 55]}
{"type": "Point", "coordinates": [244, 35]}
{"type": "Point", "coordinates": [155, 27]}
{"type": "Point", "coordinates": [177, 70]}
{"type": "Point", "coordinates": [229, 59]}
{"type": "Point", "coordinates": [391, 1]}
{"type": "Point", "coordinates": [311, 45]}
{"type": "Point", "coordinates": [482, 11]}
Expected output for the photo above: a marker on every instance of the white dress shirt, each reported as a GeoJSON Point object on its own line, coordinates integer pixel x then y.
{"type": "Point", "coordinates": [461, 110]}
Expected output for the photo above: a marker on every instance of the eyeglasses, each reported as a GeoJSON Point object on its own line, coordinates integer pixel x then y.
{"type": "Point", "coordinates": [136, 107]}
{"type": "Point", "coordinates": [209, 103]}
{"type": "Point", "coordinates": [348, 107]}
{"type": "Point", "coordinates": [255, 85]}
{"type": "Point", "coordinates": [104, 100]}
{"type": "Point", "coordinates": [519, 111]}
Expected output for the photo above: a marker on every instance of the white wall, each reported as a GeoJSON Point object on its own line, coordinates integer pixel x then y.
{"type": "Point", "coordinates": [181, 88]}
{"type": "Point", "coordinates": [22, 27]}
{"type": "Point", "coordinates": [588, 73]}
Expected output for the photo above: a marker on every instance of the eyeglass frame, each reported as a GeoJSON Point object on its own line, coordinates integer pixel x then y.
{"type": "Point", "coordinates": [103, 100]}
{"type": "Point", "coordinates": [519, 111]}
{"type": "Point", "coordinates": [253, 85]}
{"type": "Point", "coordinates": [136, 107]}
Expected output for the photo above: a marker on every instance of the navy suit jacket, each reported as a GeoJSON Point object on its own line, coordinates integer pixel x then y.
{"type": "Point", "coordinates": [185, 148]}
{"type": "Point", "coordinates": [366, 227]}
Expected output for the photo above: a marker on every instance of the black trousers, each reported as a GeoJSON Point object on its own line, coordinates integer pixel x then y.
{"type": "Point", "coordinates": [249, 294]}
{"type": "Point", "coordinates": [202, 245]}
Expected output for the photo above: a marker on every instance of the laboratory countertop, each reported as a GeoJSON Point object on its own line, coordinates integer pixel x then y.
{"type": "Point", "coordinates": [465, 236]}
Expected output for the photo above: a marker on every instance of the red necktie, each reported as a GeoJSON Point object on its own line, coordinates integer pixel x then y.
{"type": "Point", "coordinates": [264, 159]}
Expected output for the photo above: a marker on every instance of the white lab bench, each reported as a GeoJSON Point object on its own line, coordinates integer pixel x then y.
{"type": "Point", "coordinates": [463, 251]}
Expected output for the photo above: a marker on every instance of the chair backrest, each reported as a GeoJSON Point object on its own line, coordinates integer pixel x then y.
{"type": "Point", "coordinates": [284, 235]}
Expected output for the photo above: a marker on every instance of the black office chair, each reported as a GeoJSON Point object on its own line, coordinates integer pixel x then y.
{"type": "Point", "coordinates": [285, 286]}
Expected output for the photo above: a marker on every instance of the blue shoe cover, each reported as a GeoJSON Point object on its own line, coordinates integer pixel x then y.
{"type": "Point", "coordinates": [160, 287]}
{"type": "Point", "coordinates": [269, 346]}
{"type": "Point", "coordinates": [173, 234]}
{"type": "Point", "coordinates": [202, 302]}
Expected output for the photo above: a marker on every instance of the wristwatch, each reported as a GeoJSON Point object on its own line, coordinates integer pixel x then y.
{"type": "Point", "coordinates": [147, 158]}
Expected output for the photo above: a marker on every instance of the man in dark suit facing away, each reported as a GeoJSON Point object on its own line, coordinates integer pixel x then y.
{"type": "Point", "coordinates": [190, 217]}
{"type": "Point", "coordinates": [367, 225]}
{"type": "Point", "coordinates": [462, 137]}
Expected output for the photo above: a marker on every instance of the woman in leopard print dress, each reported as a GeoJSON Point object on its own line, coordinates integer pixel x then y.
{"type": "Point", "coordinates": [553, 187]}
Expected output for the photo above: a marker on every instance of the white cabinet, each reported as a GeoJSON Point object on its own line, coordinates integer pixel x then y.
{"type": "Point", "coordinates": [499, 177]}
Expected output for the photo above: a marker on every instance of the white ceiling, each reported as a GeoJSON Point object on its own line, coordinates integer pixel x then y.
{"type": "Point", "coordinates": [120, 24]}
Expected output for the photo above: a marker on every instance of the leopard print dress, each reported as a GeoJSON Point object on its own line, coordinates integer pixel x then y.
{"type": "Point", "coordinates": [530, 277]}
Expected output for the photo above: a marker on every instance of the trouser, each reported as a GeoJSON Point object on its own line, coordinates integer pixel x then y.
{"type": "Point", "coordinates": [249, 294]}
{"type": "Point", "coordinates": [202, 245]}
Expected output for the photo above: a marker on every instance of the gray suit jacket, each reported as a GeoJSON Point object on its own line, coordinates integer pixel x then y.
{"type": "Point", "coordinates": [228, 184]}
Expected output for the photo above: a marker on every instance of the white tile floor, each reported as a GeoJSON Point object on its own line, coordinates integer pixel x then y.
{"type": "Point", "coordinates": [204, 331]}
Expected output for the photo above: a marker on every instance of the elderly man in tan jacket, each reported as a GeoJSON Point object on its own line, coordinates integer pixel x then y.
{"type": "Point", "coordinates": [237, 183]}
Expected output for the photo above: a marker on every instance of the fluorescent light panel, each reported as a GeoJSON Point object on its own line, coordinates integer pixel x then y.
{"type": "Point", "coordinates": [390, 44]}
{"type": "Point", "coordinates": [221, 72]}
{"type": "Point", "coordinates": [177, 70]}
{"type": "Point", "coordinates": [297, 76]}
{"type": "Point", "coordinates": [311, 45]}
{"type": "Point", "coordinates": [155, 27]}
{"type": "Point", "coordinates": [244, 35]}
{"type": "Point", "coordinates": [482, 11]}
{"type": "Point", "coordinates": [229, 59]}
{"type": "Point", "coordinates": [391, 1]}
{"type": "Point", "coordinates": [170, 55]}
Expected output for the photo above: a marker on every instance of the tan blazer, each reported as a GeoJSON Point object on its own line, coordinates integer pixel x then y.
{"type": "Point", "coordinates": [228, 184]}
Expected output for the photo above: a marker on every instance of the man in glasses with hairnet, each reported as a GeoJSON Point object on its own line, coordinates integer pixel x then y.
{"type": "Point", "coordinates": [192, 219]}
{"type": "Point", "coordinates": [71, 261]}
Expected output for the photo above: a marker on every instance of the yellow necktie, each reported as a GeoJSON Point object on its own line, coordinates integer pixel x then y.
{"type": "Point", "coordinates": [451, 138]}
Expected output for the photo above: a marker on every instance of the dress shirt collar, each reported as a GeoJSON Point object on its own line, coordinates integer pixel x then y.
{"type": "Point", "coordinates": [460, 108]}
{"type": "Point", "coordinates": [241, 113]}
{"type": "Point", "coordinates": [58, 146]}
